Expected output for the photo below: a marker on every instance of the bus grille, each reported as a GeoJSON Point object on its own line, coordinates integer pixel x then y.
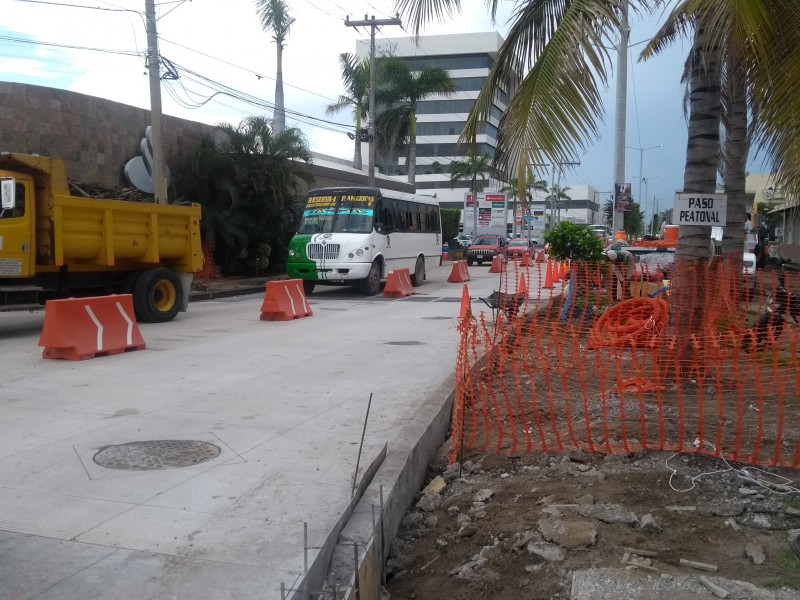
{"type": "Point", "coordinates": [323, 251]}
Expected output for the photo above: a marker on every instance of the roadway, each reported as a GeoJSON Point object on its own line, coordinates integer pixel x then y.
{"type": "Point", "coordinates": [284, 403]}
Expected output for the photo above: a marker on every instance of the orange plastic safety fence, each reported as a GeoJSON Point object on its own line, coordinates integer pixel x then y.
{"type": "Point", "coordinates": [679, 357]}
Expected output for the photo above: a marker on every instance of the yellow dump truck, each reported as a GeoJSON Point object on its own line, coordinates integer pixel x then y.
{"type": "Point", "coordinates": [54, 245]}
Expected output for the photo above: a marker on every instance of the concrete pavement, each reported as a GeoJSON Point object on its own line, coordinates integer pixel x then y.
{"type": "Point", "coordinates": [284, 403]}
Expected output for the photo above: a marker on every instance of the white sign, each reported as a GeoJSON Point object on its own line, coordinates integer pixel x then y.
{"type": "Point", "coordinates": [706, 210]}
{"type": "Point", "coordinates": [492, 211]}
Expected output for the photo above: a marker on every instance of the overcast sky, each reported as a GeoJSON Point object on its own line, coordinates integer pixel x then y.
{"type": "Point", "coordinates": [224, 42]}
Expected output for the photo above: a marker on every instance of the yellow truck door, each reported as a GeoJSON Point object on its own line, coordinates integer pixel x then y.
{"type": "Point", "coordinates": [17, 253]}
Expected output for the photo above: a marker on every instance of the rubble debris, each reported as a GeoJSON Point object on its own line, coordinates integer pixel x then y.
{"type": "Point", "coordinates": [699, 565]}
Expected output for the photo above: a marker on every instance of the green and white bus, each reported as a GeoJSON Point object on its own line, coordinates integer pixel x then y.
{"type": "Point", "coordinates": [356, 235]}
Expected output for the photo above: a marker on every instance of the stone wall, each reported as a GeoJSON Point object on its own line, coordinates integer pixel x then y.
{"type": "Point", "coordinates": [95, 137]}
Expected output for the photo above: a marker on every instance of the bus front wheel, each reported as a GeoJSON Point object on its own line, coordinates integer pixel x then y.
{"type": "Point", "coordinates": [308, 287]}
{"type": "Point", "coordinates": [418, 278]}
{"type": "Point", "coordinates": [372, 284]}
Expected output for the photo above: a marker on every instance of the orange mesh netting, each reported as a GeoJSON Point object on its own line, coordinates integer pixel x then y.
{"type": "Point", "coordinates": [701, 366]}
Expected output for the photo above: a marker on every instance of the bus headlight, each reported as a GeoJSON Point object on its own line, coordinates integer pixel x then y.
{"type": "Point", "coordinates": [358, 252]}
{"type": "Point", "coordinates": [292, 253]}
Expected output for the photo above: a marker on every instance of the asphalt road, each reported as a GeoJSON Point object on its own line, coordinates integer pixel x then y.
{"type": "Point", "coordinates": [282, 403]}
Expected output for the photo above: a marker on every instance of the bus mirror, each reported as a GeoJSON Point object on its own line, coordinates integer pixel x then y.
{"type": "Point", "coordinates": [7, 193]}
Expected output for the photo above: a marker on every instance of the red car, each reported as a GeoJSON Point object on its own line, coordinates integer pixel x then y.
{"type": "Point", "coordinates": [485, 248]}
{"type": "Point", "coordinates": [519, 248]}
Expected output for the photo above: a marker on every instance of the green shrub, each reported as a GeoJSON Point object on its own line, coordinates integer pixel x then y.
{"type": "Point", "coordinates": [451, 218]}
{"type": "Point", "coordinates": [576, 242]}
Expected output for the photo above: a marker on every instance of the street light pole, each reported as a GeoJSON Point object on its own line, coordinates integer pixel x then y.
{"type": "Point", "coordinates": [621, 112]}
{"type": "Point", "coordinates": [641, 161]}
{"type": "Point", "coordinates": [154, 72]}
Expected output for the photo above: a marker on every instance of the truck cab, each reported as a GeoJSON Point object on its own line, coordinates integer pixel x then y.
{"type": "Point", "coordinates": [17, 223]}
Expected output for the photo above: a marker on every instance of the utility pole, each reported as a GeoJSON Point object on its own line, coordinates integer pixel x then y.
{"type": "Point", "coordinates": [561, 166]}
{"type": "Point", "coordinates": [622, 101]}
{"type": "Point", "coordinates": [154, 70]}
{"type": "Point", "coordinates": [373, 24]}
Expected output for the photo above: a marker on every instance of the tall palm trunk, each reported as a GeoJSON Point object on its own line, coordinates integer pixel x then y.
{"type": "Point", "coordinates": [736, 146]}
{"type": "Point", "coordinates": [700, 176]}
{"type": "Point", "coordinates": [411, 167]}
{"type": "Point", "coordinates": [279, 118]}
{"type": "Point", "coordinates": [357, 151]}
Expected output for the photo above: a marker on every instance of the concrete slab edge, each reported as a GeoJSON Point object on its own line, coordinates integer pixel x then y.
{"type": "Point", "coordinates": [401, 477]}
{"type": "Point", "coordinates": [314, 579]}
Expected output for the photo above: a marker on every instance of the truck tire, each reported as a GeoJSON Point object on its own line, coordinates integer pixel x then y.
{"type": "Point", "coordinates": [308, 287]}
{"type": "Point", "coordinates": [157, 296]}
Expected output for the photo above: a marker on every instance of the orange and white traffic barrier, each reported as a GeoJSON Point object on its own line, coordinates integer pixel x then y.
{"type": "Point", "coordinates": [525, 261]}
{"type": "Point", "coordinates": [81, 328]}
{"type": "Point", "coordinates": [459, 272]}
{"type": "Point", "coordinates": [398, 284]}
{"type": "Point", "coordinates": [541, 257]}
{"type": "Point", "coordinates": [284, 301]}
{"type": "Point", "coordinates": [498, 264]}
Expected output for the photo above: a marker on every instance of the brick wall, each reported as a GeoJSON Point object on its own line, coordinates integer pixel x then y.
{"type": "Point", "coordinates": [94, 136]}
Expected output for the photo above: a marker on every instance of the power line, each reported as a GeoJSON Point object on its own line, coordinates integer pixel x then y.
{"type": "Point", "coordinates": [67, 46]}
{"type": "Point", "coordinates": [230, 64]}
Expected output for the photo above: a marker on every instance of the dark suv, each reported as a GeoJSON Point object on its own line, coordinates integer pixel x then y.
{"type": "Point", "coordinates": [485, 247]}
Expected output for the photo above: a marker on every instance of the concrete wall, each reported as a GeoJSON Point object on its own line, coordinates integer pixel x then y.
{"type": "Point", "coordinates": [94, 136]}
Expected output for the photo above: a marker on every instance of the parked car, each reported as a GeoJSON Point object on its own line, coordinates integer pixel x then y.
{"type": "Point", "coordinates": [600, 231]}
{"type": "Point", "coordinates": [464, 239]}
{"type": "Point", "coordinates": [485, 248]}
{"type": "Point", "coordinates": [519, 248]}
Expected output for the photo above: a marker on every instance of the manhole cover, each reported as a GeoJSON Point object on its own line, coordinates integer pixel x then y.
{"type": "Point", "coordinates": [153, 455]}
{"type": "Point", "coordinates": [410, 343]}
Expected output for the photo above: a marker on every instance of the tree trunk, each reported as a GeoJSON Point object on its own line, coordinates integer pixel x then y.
{"type": "Point", "coordinates": [736, 147]}
{"type": "Point", "coordinates": [279, 116]}
{"type": "Point", "coordinates": [690, 278]}
{"type": "Point", "coordinates": [412, 150]}
{"type": "Point", "coordinates": [357, 151]}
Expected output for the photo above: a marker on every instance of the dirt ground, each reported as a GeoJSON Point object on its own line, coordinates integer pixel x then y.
{"type": "Point", "coordinates": [519, 526]}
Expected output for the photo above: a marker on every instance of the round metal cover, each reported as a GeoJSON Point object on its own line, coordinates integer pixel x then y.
{"type": "Point", "coordinates": [153, 455]}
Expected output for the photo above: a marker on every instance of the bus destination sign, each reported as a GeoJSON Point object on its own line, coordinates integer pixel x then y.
{"type": "Point", "coordinates": [705, 210]}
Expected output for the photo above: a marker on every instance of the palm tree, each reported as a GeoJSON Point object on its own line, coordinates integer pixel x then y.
{"type": "Point", "coordinates": [274, 15]}
{"type": "Point", "coordinates": [355, 76]}
{"type": "Point", "coordinates": [248, 187]}
{"type": "Point", "coordinates": [474, 169]}
{"type": "Point", "coordinates": [556, 195]}
{"type": "Point", "coordinates": [400, 91]}
{"type": "Point", "coordinates": [520, 190]}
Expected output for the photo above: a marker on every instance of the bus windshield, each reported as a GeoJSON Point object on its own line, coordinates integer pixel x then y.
{"type": "Point", "coordinates": [338, 213]}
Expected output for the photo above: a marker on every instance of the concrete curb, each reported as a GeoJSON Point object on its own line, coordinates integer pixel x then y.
{"type": "Point", "coordinates": [401, 476]}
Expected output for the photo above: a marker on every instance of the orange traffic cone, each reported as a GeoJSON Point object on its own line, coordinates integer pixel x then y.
{"type": "Point", "coordinates": [556, 271]}
{"type": "Point", "coordinates": [523, 287]}
{"type": "Point", "coordinates": [465, 303]}
{"type": "Point", "coordinates": [548, 277]}
{"type": "Point", "coordinates": [562, 273]}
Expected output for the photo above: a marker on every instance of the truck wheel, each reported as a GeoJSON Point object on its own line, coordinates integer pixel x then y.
{"type": "Point", "coordinates": [469, 262]}
{"type": "Point", "coordinates": [157, 296]}
{"type": "Point", "coordinates": [418, 278]}
{"type": "Point", "coordinates": [372, 284]}
{"type": "Point", "coordinates": [308, 287]}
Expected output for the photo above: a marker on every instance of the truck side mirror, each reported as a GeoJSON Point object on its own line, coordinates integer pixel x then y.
{"type": "Point", "coordinates": [7, 193]}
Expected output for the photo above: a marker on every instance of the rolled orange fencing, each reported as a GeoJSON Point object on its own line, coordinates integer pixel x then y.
{"type": "Point", "coordinates": [81, 328]}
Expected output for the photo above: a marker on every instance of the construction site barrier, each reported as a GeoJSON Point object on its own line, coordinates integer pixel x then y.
{"type": "Point", "coordinates": [459, 272]}
{"type": "Point", "coordinates": [398, 284]}
{"type": "Point", "coordinates": [498, 264]}
{"type": "Point", "coordinates": [81, 328]}
{"type": "Point", "coordinates": [699, 365]}
{"type": "Point", "coordinates": [284, 301]}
